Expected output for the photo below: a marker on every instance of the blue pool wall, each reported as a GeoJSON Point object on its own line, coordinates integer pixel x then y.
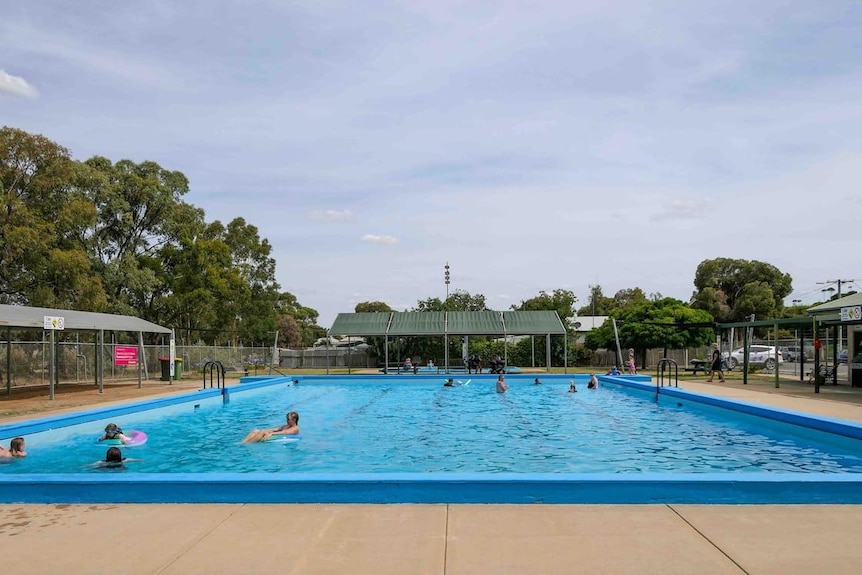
{"type": "Point", "coordinates": [473, 488]}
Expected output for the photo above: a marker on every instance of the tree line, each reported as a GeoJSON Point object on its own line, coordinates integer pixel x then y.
{"type": "Point", "coordinates": [118, 237]}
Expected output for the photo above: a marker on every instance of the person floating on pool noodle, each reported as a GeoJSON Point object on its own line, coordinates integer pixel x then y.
{"type": "Point", "coordinates": [113, 431]}
{"type": "Point", "coordinates": [289, 428]}
{"type": "Point", "coordinates": [501, 385]}
{"type": "Point", "coordinates": [449, 383]}
{"type": "Point", "coordinates": [594, 382]}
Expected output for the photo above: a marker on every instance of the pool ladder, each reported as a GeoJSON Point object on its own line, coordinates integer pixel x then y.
{"type": "Point", "coordinates": [214, 367]}
{"type": "Point", "coordinates": [666, 368]}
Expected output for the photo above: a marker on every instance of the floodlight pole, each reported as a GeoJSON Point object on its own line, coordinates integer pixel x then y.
{"type": "Point", "coordinates": [446, 280]}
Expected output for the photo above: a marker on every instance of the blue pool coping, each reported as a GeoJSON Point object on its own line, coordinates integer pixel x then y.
{"type": "Point", "coordinates": [435, 488]}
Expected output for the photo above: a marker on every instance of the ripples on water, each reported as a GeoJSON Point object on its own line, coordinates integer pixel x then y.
{"type": "Point", "coordinates": [355, 427]}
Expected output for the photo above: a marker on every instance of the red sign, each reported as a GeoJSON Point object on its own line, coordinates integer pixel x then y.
{"type": "Point", "coordinates": [125, 355]}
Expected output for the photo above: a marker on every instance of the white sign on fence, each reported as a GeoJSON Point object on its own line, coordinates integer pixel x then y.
{"type": "Point", "coordinates": [851, 313]}
{"type": "Point", "coordinates": [52, 322]}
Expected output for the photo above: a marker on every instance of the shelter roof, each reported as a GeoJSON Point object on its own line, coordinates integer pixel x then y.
{"type": "Point", "coordinates": [836, 304]}
{"type": "Point", "coordinates": [431, 323]}
{"type": "Point", "coordinates": [17, 316]}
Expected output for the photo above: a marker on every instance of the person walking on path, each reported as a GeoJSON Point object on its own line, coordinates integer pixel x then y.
{"type": "Point", "coordinates": [716, 365]}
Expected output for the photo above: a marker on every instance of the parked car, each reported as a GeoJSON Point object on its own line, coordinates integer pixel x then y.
{"type": "Point", "coordinates": [842, 356]}
{"type": "Point", "coordinates": [791, 353]}
{"type": "Point", "coordinates": [758, 355]}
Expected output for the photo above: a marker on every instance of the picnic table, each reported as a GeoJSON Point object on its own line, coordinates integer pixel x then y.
{"type": "Point", "coordinates": [699, 365]}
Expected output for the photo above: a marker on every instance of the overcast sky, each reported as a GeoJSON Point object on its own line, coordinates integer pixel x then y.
{"type": "Point", "coordinates": [531, 145]}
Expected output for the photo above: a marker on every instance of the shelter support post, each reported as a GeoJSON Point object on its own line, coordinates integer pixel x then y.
{"type": "Point", "coordinates": [8, 360]}
{"type": "Point", "coordinates": [548, 352]}
{"type": "Point", "coordinates": [775, 343]}
{"type": "Point", "coordinates": [52, 367]}
{"type": "Point", "coordinates": [100, 360]}
{"type": "Point", "coordinates": [140, 359]}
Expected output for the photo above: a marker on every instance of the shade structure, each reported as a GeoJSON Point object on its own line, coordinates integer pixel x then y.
{"type": "Point", "coordinates": [417, 323]}
{"type": "Point", "coordinates": [431, 323]}
{"type": "Point", "coordinates": [533, 323]}
{"type": "Point", "coordinates": [475, 323]}
{"type": "Point", "coordinates": [18, 316]}
{"type": "Point", "coordinates": [361, 324]}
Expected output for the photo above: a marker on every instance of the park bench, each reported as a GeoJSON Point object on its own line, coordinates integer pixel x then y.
{"type": "Point", "coordinates": [827, 372]}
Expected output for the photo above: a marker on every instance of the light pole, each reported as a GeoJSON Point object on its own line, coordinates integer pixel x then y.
{"type": "Point", "coordinates": [446, 279]}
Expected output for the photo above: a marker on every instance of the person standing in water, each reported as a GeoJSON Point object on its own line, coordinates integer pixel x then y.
{"type": "Point", "coordinates": [501, 384]}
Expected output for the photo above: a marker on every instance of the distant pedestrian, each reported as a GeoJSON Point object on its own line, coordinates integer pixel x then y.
{"type": "Point", "coordinates": [715, 367]}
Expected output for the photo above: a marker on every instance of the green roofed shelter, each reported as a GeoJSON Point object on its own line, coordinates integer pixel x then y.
{"type": "Point", "coordinates": [449, 323]}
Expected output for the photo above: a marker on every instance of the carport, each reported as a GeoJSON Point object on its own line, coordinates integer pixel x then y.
{"type": "Point", "coordinates": [452, 324]}
{"type": "Point", "coordinates": [52, 320]}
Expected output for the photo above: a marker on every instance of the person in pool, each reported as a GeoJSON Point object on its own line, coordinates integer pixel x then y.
{"type": "Point", "coordinates": [113, 459]}
{"type": "Point", "coordinates": [613, 371]}
{"type": "Point", "coordinates": [289, 428]}
{"type": "Point", "coordinates": [449, 383]}
{"type": "Point", "coordinates": [594, 382]}
{"type": "Point", "coordinates": [501, 384]}
{"type": "Point", "coordinates": [113, 431]}
{"type": "Point", "coordinates": [16, 449]}
{"type": "Point", "coordinates": [537, 381]}
{"type": "Point", "coordinates": [572, 388]}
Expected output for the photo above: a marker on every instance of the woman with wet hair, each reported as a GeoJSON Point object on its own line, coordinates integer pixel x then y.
{"type": "Point", "coordinates": [289, 428]}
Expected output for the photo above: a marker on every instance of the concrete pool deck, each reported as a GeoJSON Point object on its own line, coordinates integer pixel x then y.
{"type": "Point", "coordinates": [452, 539]}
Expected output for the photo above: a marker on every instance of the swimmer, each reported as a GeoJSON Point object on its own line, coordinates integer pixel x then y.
{"type": "Point", "coordinates": [289, 428]}
{"type": "Point", "coordinates": [16, 448]}
{"type": "Point", "coordinates": [113, 431]}
{"type": "Point", "coordinates": [501, 385]}
{"type": "Point", "coordinates": [537, 381]}
{"type": "Point", "coordinates": [572, 388]}
{"type": "Point", "coordinates": [113, 459]}
{"type": "Point", "coordinates": [594, 382]}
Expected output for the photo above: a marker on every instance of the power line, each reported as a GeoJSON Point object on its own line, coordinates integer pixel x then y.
{"type": "Point", "coordinates": [837, 282]}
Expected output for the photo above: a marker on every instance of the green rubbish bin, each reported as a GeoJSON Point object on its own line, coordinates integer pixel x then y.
{"type": "Point", "coordinates": [166, 368]}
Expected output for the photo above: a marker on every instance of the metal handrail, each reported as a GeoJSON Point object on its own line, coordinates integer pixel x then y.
{"type": "Point", "coordinates": [218, 367]}
{"type": "Point", "coordinates": [664, 366]}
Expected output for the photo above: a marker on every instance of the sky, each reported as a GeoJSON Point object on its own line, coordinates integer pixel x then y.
{"type": "Point", "coordinates": [532, 146]}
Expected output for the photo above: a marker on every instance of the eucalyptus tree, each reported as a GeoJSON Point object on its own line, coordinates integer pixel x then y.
{"type": "Point", "coordinates": [43, 215]}
{"type": "Point", "coordinates": [733, 289]}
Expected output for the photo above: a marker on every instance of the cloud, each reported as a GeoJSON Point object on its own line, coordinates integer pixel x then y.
{"type": "Point", "coordinates": [331, 215]}
{"type": "Point", "coordinates": [16, 85]}
{"type": "Point", "coordinates": [375, 239]}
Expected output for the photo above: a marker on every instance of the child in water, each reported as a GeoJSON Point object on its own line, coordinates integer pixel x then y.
{"type": "Point", "coordinates": [572, 388]}
{"type": "Point", "coordinates": [16, 449]}
{"type": "Point", "coordinates": [113, 431]}
{"type": "Point", "coordinates": [113, 459]}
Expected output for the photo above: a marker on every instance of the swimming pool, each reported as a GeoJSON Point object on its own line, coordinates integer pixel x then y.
{"type": "Point", "coordinates": [408, 439]}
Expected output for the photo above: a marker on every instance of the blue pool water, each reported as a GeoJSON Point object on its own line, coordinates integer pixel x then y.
{"type": "Point", "coordinates": [390, 426]}
{"type": "Point", "coordinates": [406, 439]}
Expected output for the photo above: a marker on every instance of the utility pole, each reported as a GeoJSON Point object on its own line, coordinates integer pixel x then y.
{"type": "Point", "coordinates": [837, 283]}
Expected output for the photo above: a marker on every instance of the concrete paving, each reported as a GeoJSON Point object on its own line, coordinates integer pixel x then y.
{"type": "Point", "coordinates": [448, 539]}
